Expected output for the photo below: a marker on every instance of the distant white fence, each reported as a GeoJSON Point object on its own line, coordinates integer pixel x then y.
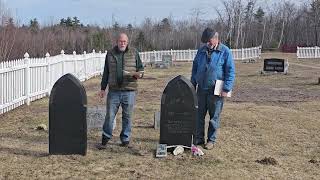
{"type": "Point", "coordinates": [308, 52]}
{"type": "Point", "coordinates": [188, 55]}
{"type": "Point", "coordinates": [25, 80]}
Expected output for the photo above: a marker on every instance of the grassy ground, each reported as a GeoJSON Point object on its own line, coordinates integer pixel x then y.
{"type": "Point", "coordinates": [269, 116]}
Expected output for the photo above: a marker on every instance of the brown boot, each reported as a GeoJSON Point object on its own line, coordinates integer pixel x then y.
{"type": "Point", "coordinates": [209, 145]}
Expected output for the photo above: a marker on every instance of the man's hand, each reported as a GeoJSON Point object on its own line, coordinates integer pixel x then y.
{"type": "Point", "coordinates": [102, 93]}
{"type": "Point", "coordinates": [224, 94]}
{"type": "Point", "coordinates": [136, 76]}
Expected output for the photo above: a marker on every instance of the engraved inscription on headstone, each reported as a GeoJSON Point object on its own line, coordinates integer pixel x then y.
{"type": "Point", "coordinates": [95, 117]}
{"type": "Point", "coordinates": [274, 65]}
{"type": "Point", "coordinates": [67, 117]}
{"type": "Point", "coordinates": [179, 108]}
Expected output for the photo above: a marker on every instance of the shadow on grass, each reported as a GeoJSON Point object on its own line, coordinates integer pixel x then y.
{"type": "Point", "coordinates": [147, 126]}
{"type": "Point", "coordinates": [30, 138]}
{"type": "Point", "coordinates": [118, 150]}
{"type": "Point", "coordinates": [307, 84]}
{"type": "Point", "coordinates": [23, 152]}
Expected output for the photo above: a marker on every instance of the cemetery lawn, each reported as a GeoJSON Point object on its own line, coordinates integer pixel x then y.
{"type": "Point", "coordinates": [269, 130]}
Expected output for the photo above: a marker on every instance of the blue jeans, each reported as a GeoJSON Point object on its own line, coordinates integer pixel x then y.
{"type": "Point", "coordinates": [114, 99]}
{"type": "Point", "coordinates": [214, 104]}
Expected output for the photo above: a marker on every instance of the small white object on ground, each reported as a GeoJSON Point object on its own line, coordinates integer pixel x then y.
{"type": "Point", "coordinates": [42, 127]}
{"type": "Point", "coordinates": [178, 150]}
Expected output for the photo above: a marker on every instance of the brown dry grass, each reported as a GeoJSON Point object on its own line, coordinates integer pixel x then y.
{"type": "Point", "coordinates": [272, 116]}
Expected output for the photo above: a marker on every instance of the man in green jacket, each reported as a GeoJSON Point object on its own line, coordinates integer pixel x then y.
{"type": "Point", "coordinates": [122, 69]}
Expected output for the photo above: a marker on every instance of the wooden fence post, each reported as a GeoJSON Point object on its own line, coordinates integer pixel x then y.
{"type": "Point", "coordinates": [27, 78]}
{"type": "Point", "coordinates": [48, 83]}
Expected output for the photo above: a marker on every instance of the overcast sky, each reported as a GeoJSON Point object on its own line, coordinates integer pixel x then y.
{"type": "Point", "coordinates": [101, 11]}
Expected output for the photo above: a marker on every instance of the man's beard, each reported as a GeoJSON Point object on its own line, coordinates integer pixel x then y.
{"type": "Point", "coordinates": [122, 49]}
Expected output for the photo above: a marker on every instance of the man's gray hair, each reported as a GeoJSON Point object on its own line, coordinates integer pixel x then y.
{"type": "Point", "coordinates": [122, 34]}
{"type": "Point", "coordinates": [216, 34]}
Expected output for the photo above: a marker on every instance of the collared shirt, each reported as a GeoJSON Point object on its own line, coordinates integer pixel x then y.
{"type": "Point", "coordinates": [119, 71]}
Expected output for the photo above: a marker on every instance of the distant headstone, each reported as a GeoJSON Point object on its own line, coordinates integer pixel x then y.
{"type": "Point", "coordinates": [167, 60]}
{"type": "Point", "coordinates": [67, 117]}
{"type": "Point", "coordinates": [96, 117]}
{"type": "Point", "coordinates": [275, 65]}
{"type": "Point", "coordinates": [179, 107]}
{"type": "Point", "coordinates": [152, 60]}
{"type": "Point", "coordinates": [165, 63]}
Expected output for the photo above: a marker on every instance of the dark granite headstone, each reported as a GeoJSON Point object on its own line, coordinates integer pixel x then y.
{"type": "Point", "coordinates": [179, 107]}
{"type": "Point", "coordinates": [67, 117]}
{"type": "Point", "coordinates": [274, 65]}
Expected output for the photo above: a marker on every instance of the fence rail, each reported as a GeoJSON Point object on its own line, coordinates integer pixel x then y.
{"type": "Point", "coordinates": [25, 80]}
{"type": "Point", "coordinates": [308, 52]}
{"type": "Point", "coordinates": [188, 55]}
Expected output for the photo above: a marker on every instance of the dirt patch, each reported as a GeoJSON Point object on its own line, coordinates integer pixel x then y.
{"type": "Point", "coordinates": [313, 161]}
{"type": "Point", "coordinates": [272, 94]}
{"type": "Point", "coordinates": [268, 161]}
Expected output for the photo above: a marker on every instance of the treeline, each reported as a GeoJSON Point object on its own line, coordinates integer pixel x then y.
{"type": "Point", "coordinates": [241, 23]}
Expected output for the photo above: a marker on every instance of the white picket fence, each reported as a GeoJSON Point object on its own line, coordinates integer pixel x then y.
{"type": "Point", "coordinates": [25, 80]}
{"type": "Point", "coordinates": [188, 55]}
{"type": "Point", "coordinates": [308, 52]}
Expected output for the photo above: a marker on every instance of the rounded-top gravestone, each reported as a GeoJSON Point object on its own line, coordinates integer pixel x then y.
{"type": "Point", "coordinates": [179, 107]}
{"type": "Point", "coordinates": [67, 117]}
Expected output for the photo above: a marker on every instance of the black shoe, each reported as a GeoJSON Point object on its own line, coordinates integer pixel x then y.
{"type": "Point", "coordinates": [126, 144]}
{"type": "Point", "coordinates": [104, 140]}
{"type": "Point", "coordinates": [99, 146]}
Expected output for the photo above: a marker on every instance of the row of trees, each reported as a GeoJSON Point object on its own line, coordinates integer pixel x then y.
{"type": "Point", "coordinates": [245, 23]}
{"type": "Point", "coordinates": [241, 23]}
